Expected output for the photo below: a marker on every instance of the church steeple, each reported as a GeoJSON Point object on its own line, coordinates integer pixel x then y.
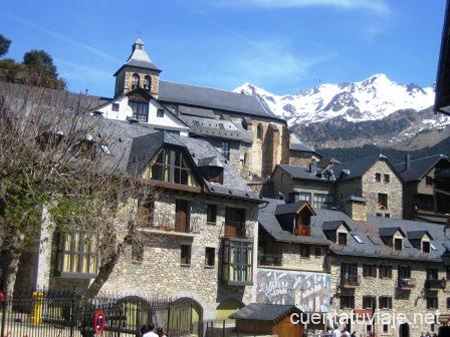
{"type": "Point", "coordinates": [138, 71]}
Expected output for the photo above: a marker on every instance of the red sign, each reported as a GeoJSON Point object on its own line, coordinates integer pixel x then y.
{"type": "Point", "coordinates": [364, 313]}
{"type": "Point", "coordinates": [2, 297]}
{"type": "Point", "coordinates": [99, 322]}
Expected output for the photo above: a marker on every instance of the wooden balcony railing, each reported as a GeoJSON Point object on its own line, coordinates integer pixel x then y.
{"type": "Point", "coordinates": [303, 230]}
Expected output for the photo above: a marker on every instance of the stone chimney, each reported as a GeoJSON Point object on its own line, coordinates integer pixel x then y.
{"type": "Point", "coordinates": [313, 167]}
{"type": "Point", "coordinates": [356, 208]}
{"type": "Point", "coordinates": [407, 161]}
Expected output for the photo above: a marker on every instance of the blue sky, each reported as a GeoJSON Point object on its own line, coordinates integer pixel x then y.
{"type": "Point", "coordinates": [283, 46]}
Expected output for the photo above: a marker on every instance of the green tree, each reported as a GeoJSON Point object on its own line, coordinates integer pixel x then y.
{"type": "Point", "coordinates": [4, 45]}
{"type": "Point", "coordinates": [40, 62]}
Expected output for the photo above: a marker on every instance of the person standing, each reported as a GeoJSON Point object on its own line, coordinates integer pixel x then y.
{"type": "Point", "coordinates": [160, 332]}
{"type": "Point", "coordinates": [150, 329]}
{"type": "Point", "coordinates": [336, 332]}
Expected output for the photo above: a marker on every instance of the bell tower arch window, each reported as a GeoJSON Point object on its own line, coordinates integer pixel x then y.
{"type": "Point", "coordinates": [147, 82]}
{"type": "Point", "coordinates": [259, 131]}
{"type": "Point", "coordinates": [135, 81]}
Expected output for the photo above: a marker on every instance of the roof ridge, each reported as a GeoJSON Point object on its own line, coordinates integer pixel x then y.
{"type": "Point", "coordinates": [206, 87]}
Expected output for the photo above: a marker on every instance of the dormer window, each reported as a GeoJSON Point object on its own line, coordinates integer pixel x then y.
{"type": "Point", "coordinates": [426, 247]}
{"type": "Point", "coordinates": [342, 239]}
{"type": "Point", "coordinates": [135, 81]}
{"type": "Point", "coordinates": [147, 82]}
{"type": "Point", "coordinates": [215, 174]}
{"type": "Point", "coordinates": [398, 244]}
{"type": "Point", "coordinates": [171, 166]}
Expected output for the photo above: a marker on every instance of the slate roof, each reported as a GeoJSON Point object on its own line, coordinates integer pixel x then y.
{"type": "Point", "coordinates": [295, 144]}
{"type": "Point", "coordinates": [358, 167]}
{"type": "Point", "coordinates": [298, 172]}
{"type": "Point", "coordinates": [390, 231]}
{"type": "Point", "coordinates": [418, 235]}
{"type": "Point", "coordinates": [223, 129]}
{"type": "Point", "coordinates": [289, 208]}
{"type": "Point", "coordinates": [139, 58]}
{"type": "Point", "coordinates": [264, 312]}
{"type": "Point", "coordinates": [333, 225]}
{"type": "Point", "coordinates": [202, 97]}
{"type": "Point", "coordinates": [418, 167]}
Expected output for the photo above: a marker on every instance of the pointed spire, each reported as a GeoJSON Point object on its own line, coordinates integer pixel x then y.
{"type": "Point", "coordinates": [139, 57]}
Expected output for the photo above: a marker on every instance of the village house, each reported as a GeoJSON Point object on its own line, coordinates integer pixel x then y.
{"type": "Point", "coordinates": [324, 260]}
{"type": "Point", "coordinates": [251, 137]}
{"type": "Point", "coordinates": [426, 188]}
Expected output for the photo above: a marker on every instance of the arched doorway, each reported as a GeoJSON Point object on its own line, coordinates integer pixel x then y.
{"type": "Point", "coordinates": [404, 330]}
{"type": "Point", "coordinates": [183, 319]}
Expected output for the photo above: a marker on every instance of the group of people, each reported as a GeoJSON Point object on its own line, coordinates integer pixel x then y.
{"type": "Point", "coordinates": [149, 331]}
{"type": "Point", "coordinates": [339, 333]}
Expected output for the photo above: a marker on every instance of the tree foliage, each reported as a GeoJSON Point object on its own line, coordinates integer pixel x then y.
{"type": "Point", "coordinates": [40, 62]}
{"type": "Point", "coordinates": [4, 45]}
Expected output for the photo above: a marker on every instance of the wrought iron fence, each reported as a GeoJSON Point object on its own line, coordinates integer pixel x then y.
{"type": "Point", "coordinates": [64, 314]}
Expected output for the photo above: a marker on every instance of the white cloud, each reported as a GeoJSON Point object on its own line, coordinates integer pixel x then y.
{"type": "Point", "coordinates": [376, 6]}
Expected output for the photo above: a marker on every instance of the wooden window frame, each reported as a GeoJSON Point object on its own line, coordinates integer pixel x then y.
{"type": "Point", "coordinates": [185, 261]}
{"type": "Point", "coordinates": [210, 257]}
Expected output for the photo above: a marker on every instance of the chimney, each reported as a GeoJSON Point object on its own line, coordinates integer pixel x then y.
{"type": "Point", "coordinates": [356, 208]}
{"type": "Point", "coordinates": [313, 167]}
{"type": "Point", "coordinates": [407, 161]}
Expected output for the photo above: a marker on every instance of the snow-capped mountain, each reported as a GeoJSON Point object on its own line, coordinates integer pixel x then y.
{"type": "Point", "coordinates": [376, 110]}
{"type": "Point", "coordinates": [374, 98]}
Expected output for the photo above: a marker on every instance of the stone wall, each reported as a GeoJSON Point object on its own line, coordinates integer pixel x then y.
{"type": "Point", "coordinates": [408, 302]}
{"type": "Point", "coordinates": [303, 159]}
{"type": "Point", "coordinates": [393, 188]}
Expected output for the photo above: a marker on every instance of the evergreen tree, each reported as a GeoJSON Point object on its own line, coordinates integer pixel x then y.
{"type": "Point", "coordinates": [4, 45]}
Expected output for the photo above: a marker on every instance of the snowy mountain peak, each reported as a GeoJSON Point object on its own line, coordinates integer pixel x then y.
{"type": "Point", "coordinates": [371, 99]}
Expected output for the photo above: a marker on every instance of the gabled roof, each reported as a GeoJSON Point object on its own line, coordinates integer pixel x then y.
{"type": "Point", "coordinates": [295, 144]}
{"type": "Point", "coordinates": [292, 208]}
{"type": "Point", "coordinates": [390, 231]}
{"type": "Point", "coordinates": [358, 167]}
{"type": "Point", "coordinates": [334, 225]}
{"type": "Point", "coordinates": [418, 168]}
{"type": "Point", "coordinates": [418, 235]}
{"type": "Point", "coordinates": [298, 172]}
{"type": "Point", "coordinates": [265, 312]}
{"type": "Point", "coordinates": [216, 99]}
{"type": "Point", "coordinates": [139, 58]}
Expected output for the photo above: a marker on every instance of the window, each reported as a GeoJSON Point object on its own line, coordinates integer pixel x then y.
{"type": "Point", "coordinates": [426, 247]}
{"type": "Point", "coordinates": [369, 270]}
{"type": "Point", "coordinates": [369, 302]}
{"type": "Point", "coordinates": [318, 251]}
{"type": "Point", "coordinates": [448, 302]}
{"type": "Point", "coordinates": [147, 82]}
{"type": "Point", "coordinates": [385, 271]}
{"type": "Point", "coordinates": [387, 215]}
{"type": "Point", "coordinates": [210, 256]}
{"type": "Point", "coordinates": [347, 302]}
{"type": "Point", "coordinates": [221, 126]}
{"type": "Point", "coordinates": [387, 178]}
{"type": "Point", "coordinates": [357, 238]}
{"type": "Point", "coordinates": [382, 201]}
{"type": "Point", "coordinates": [211, 214]}
{"type": "Point", "coordinates": [77, 255]}
{"type": "Point", "coordinates": [385, 302]}
{"type": "Point", "coordinates": [349, 273]}
{"type": "Point", "coordinates": [429, 181]}
{"type": "Point", "coordinates": [135, 81]}
{"type": "Point", "coordinates": [404, 272]}
{"type": "Point", "coordinates": [398, 244]}
{"type": "Point", "coordinates": [171, 166]}
{"type": "Point", "coordinates": [304, 196]}
{"type": "Point", "coordinates": [432, 302]}
{"type": "Point", "coordinates": [369, 328]}
{"type": "Point", "coordinates": [342, 239]}
{"type": "Point", "coordinates": [305, 251]}
{"type": "Point", "coordinates": [115, 107]}
{"type": "Point", "coordinates": [146, 214]}
{"type": "Point", "coordinates": [386, 328]}
{"type": "Point", "coordinates": [237, 262]}
{"type": "Point", "coordinates": [182, 216]}
{"type": "Point", "coordinates": [323, 200]}
{"type": "Point", "coordinates": [226, 149]}
{"type": "Point", "coordinates": [160, 113]}
{"type": "Point", "coordinates": [140, 110]}
{"type": "Point", "coordinates": [378, 177]}
{"type": "Point", "coordinates": [259, 132]}
{"type": "Point", "coordinates": [214, 174]}
{"type": "Point", "coordinates": [185, 258]}
{"type": "Point", "coordinates": [432, 274]}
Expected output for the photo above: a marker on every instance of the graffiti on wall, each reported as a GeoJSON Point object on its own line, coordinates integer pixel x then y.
{"type": "Point", "coordinates": [310, 292]}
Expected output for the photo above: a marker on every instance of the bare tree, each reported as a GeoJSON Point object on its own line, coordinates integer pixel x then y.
{"type": "Point", "coordinates": [55, 155]}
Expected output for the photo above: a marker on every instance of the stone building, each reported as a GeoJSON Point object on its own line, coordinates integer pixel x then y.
{"type": "Point", "coordinates": [372, 266]}
{"type": "Point", "coordinates": [198, 230]}
{"type": "Point", "coordinates": [250, 136]}
{"type": "Point", "coordinates": [300, 154]}
{"type": "Point", "coordinates": [426, 188]}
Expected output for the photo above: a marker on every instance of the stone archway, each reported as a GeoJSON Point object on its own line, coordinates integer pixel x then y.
{"type": "Point", "coordinates": [191, 320]}
{"type": "Point", "coordinates": [404, 330]}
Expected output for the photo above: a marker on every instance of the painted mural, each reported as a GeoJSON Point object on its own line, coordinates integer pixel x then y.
{"type": "Point", "coordinates": [310, 292]}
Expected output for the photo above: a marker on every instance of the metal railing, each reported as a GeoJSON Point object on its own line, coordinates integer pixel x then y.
{"type": "Point", "coordinates": [173, 224]}
{"type": "Point", "coordinates": [349, 280]}
{"type": "Point", "coordinates": [234, 229]}
{"type": "Point", "coordinates": [406, 282]}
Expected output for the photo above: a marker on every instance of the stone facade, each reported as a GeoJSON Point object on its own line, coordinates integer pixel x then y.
{"type": "Point", "coordinates": [407, 301]}
{"type": "Point", "coordinates": [125, 77]}
{"type": "Point", "coordinates": [303, 159]}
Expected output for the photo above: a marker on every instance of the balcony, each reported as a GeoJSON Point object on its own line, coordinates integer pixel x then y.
{"type": "Point", "coordinates": [239, 230]}
{"type": "Point", "coordinates": [406, 283]}
{"type": "Point", "coordinates": [349, 281]}
{"type": "Point", "coordinates": [237, 262]}
{"type": "Point", "coordinates": [171, 225]}
{"type": "Point", "coordinates": [435, 284]}
{"type": "Point", "coordinates": [303, 230]}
